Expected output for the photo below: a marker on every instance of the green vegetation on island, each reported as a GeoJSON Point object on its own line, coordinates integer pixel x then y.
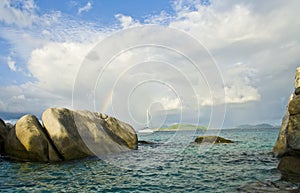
{"type": "Point", "coordinates": [258, 126]}
{"type": "Point", "coordinates": [182, 127]}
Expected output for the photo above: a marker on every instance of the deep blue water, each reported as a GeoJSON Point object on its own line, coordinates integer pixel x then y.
{"type": "Point", "coordinates": [172, 165]}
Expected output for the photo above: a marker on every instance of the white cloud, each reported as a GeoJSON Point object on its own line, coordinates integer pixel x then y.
{"type": "Point", "coordinates": [85, 8]}
{"type": "Point", "coordinates": [261, 36]}
{"type": "Point", "coordinates": [127, 21]}
{"type": "Point", "coordinates": [19, 97]}
{"type": "Point", "coordinates": [216, 27]}
{"type": "Point", "coordinates": [10, 14]}
{"type": "Point", "coordinates": [11, 64]}
{"type": "Point", "coordinates": [169, 103]}
{"type": "Point", "coordinates": [55, 65]}
{"type": "Point", "coordinates": [240, 81]}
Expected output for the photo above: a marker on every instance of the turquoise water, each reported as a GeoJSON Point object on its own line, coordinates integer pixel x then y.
{"type": "Point", "coordinates": [171, 165]}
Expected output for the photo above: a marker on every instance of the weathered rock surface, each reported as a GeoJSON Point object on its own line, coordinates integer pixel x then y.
{"type": "Point", "coordinates": [87, 133]}
{"type": "Point", "coordinates": [32, 136]}
{"type": "Point", "coordinates": [212, 139]}
{"type": "Point", "coordinates": [66, 135]}
{"type": "Point", "coordinates": [290, 164]}
{"type": "Point", "coordinates": [280, 146]}
{"type": "Point", "coordinates": [27, 141]}
{"type": "Point", "coordinates": [287, 145]}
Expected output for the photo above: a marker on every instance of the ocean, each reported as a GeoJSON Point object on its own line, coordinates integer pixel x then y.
{"type": "Point", "coordinates": [171, 164]}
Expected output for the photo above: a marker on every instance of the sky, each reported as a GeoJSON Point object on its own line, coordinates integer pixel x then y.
{"type": "Point", "coordinates": [214, 63]}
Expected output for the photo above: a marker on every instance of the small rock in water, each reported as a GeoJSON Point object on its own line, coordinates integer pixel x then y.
{"type": "Point", "coordinates": [146, 142]}
{"type": "Point", "coordinates": [212, 139]}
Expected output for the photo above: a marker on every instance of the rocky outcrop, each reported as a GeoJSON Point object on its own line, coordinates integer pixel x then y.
{"type": "Point", "coordinates": [212, 139]}
{"type": "Point", "coordinates": [66, 135]}
{"type": "Point", "coordinates": [287, 145]}
{"type": "Point", "coordinates": [26, 141]}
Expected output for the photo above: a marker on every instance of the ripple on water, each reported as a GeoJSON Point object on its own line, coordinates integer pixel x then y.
{"type": "Point", "coordinates": [166, 167]}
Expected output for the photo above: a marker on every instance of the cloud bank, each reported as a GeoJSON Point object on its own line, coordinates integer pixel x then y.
{"type": "Point", "coordinates": [255, 45]}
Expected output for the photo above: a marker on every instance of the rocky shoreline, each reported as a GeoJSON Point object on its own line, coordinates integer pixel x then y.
{"type": "Point", "coordinates": [65, 135]}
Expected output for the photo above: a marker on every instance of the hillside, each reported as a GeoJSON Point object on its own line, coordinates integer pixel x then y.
{"type": "Point", "coordinates": [184, 127]}
{"type": "Point", "coordinates": [258, 126]}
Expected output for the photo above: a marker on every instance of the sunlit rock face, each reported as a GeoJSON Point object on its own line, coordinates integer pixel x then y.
{"type": "Point", "coordinates": [288, 142]}
{"type": "Point", "coordinates": [65, 135]}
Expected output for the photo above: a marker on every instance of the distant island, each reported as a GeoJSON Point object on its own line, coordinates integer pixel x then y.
{"type": "Point", "coordinates": [190, 127]}
{"type": "Point", "coordinates": [258, 126]}
{"type": "Point", "coordinates": [181, 127]}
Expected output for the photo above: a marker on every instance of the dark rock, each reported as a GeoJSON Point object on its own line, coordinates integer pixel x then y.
{"type": "Point", "coordinates": [142, 142]}
{"type": "Point", "coordinates": [3, 129]}
{"type": "Point", "coordinates": [212, 139]}
{"type": "Point", "coordinates": [297, 91]}
{"type": "Point", "coordinates": [3, 136]}
{"type": "Point", "coordinates": [290, 166]}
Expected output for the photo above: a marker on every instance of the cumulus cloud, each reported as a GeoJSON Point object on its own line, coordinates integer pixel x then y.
{"type": "Point", "coordinates": [240, 87]}
{"type": "Point", "coordinates": [55, 65]}
{"type": "Point", "coordinates": [170, 104]}
{"type": "Point", "coordinates": [127, 21]}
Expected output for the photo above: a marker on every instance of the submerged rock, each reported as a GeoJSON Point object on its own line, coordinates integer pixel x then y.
{"type": "Point", "coordinates": [212, 139]}
{"type": "Point", "coordinates": [143, 142]}
{"type": "Point", "coordinates": [66, 135]}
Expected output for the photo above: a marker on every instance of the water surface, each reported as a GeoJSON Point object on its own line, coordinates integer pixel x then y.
{"type": "Point", "coordinates": [171, 165]}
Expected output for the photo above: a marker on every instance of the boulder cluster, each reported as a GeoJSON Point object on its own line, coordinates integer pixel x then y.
{"type": "Point", "coordinates": [65, 135]}
{"type": "Point", "coordinates": [287, 146]}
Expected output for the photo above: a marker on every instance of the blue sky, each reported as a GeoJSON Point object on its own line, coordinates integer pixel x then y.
{"type": "Point", "coordinates": [255, 45]}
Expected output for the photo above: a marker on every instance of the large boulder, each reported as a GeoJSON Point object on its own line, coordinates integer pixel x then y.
{"type": "Point", "coordinates": [79, 134]}
{"type": "Point", "coordinates": [26, 141]}
{"type": "Point", "coordinates": [32, 136]}
{"type": "Point", "coordinates": [66, 135]}
{"type": "Point", "coordinates": [287, 145]}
